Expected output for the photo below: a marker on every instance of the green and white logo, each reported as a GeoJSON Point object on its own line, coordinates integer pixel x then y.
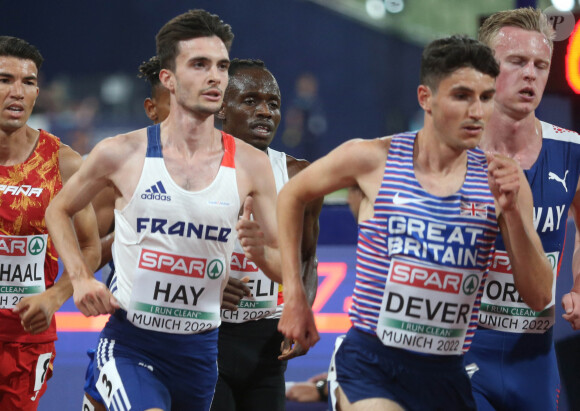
{"type": "Point", "coordinates": [36, 245]}
{"type": "Point", "coordinates": [552, 258]}
{"type": "Point", "coordinates": [215, 268]}
{"type": "Point", "coordinates": [470, 284]}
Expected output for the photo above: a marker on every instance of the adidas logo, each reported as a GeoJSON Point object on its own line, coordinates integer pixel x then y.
{"type": "Point", "coordinates": [156, 192]}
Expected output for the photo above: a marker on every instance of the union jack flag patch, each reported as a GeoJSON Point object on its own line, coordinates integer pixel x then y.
{"type": "Point", "coordinates": [473, 209]}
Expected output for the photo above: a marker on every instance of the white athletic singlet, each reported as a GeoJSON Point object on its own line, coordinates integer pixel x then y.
{"type": "Point", "coordinates": [172, 246]}
{"type": "Point", "coordinates": [265, 300]}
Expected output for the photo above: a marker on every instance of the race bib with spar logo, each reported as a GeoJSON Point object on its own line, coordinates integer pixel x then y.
{"type": "Point", "coordinates": [176, 294]}
{"type": "Point", "coordinates": [264, 292]}
{"type": "Point", "coordinates": [503, 309]}
{"type": "Point", "coordinates": [427, 307]}
{"type": "Point", "coordinates": [21, 267]}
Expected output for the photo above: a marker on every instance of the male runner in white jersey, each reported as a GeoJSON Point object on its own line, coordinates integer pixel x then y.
{"type": "Point", "coordinates": [251, 366]}
{"type": "Point", "coordinates": [180, 186]}
{"type": "Point", "coordinates": [513, 346]}
{"type": "Point", "coordinates": [431, 209]}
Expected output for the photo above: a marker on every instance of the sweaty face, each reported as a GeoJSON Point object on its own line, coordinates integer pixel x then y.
{"type": "Point", "coordinates": [461, 106]}
{"type": "Point", "coordinates": [18, 92]}
{"type": "Point", "coordinates": [252, 107]}
{"type": "Point", "coordinates": [201, 74]}
{"type": "Point", "coordinates": [524, 57]}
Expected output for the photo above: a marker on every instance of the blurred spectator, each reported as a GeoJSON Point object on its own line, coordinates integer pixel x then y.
{"type": "Point", "coordinates": [305, 120]}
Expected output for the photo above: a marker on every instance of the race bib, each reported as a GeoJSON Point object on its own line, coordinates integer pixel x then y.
{"type": "Point", "coordinates": [264, 298]}
{"type": "Point", "coordinates": [427, 307]}
{"type": "Point", "coordinates": [176, 294]}
{"type": "Point", "coordinates": [110, 386]}
{"type": "Point", "coordinates": [503, 309]}
{"type": "Point", "coordinates": [21, 267]}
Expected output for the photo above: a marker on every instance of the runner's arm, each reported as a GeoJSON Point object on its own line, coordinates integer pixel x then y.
{"type": "Point", "coordinates": [311, 229]}
{"type": "Point", "coordinates": [571, 300]}
{"type": "Point", "coordinates": [104, 205]}
{"type": "Point", "coordinates": [36, 312]}
{"type": "Point", "coordinates": [258, 236]}
{"type": "Point", "coordinates": [533, 274]}
{"type": "Point", "coordinates": [91, 296]}
{"type": "Point", "coordinates": [345, 166]}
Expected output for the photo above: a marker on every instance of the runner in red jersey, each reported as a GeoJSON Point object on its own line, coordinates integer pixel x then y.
{"type": "Point", "coordinates": [33, 167]}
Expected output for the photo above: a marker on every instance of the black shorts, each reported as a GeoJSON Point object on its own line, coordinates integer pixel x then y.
{"type": "Point", "coordinates": [250, 374]}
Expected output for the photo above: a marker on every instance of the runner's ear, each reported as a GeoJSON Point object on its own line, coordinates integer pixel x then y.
{"type": "Point", "coordinates": [424, 94]}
